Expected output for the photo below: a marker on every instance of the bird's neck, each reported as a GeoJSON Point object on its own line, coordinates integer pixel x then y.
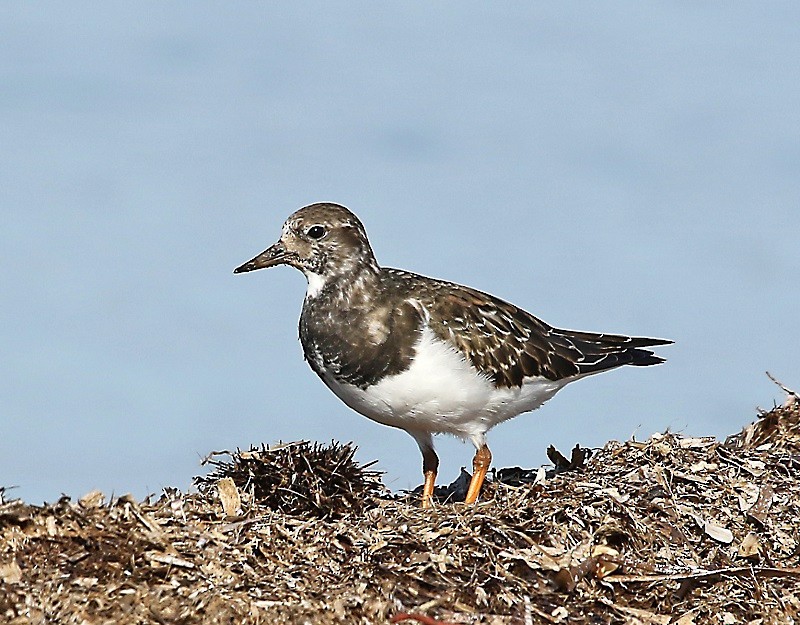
{"type": "Point", "coordinates": [350, 285]}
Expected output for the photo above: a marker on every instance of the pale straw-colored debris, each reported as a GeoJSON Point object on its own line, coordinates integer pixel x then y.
{"type": "Point", "coordinates": [676, 529]}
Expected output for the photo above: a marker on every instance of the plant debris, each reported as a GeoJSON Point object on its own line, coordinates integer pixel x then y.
{"type": "Point", "coordinates": [297, 479]}
{"type": "Point", "coordinates": [778, 430]}
{"type": "Point", "coordinates": [674, 529]}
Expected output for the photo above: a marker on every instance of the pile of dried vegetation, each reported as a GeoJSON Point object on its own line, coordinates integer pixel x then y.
{"type": "Point", "coordinates": [669, 530]}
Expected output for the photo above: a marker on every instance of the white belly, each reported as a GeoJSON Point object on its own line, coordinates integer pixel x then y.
{"type": "Point", "coordinates": [443, 392]}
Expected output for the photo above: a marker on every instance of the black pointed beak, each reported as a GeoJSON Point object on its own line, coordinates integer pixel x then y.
{"type": "Point", "coordinates": [273, 255]}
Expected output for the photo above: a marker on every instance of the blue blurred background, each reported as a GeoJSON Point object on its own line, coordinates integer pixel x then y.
{"type": "Point", "coordinates": [628, 167]}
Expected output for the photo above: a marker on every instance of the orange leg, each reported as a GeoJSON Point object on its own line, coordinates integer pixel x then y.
{"type": "Point", "coordinates": [427, 491]}
{"type": "Point", "coordinates": [480, 465]}
{"type": "Point", "coordinates": [430, 465]}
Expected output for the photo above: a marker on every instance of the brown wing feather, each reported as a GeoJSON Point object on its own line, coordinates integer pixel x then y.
{"type": "Point", "coordinates": [509, 344]}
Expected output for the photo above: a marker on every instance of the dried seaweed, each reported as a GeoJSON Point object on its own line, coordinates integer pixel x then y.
{"type": "Point", "coordinates": [297, 479]}
{"type": "Point", "coordinates": [674, 529]}
{"type": "Point", "coordinates": [777, 429]}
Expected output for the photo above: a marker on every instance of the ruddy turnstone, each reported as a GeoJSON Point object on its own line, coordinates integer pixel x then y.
{"type": "Point", "coordinates": [425, 355]}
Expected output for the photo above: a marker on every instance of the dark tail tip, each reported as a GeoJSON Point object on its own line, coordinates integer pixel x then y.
{"type": "Point", "coordinates": [645, 358]}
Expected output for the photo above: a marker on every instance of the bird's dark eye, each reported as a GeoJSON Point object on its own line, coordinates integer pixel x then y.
{"type": "Point", "coordinates": [316, 232]}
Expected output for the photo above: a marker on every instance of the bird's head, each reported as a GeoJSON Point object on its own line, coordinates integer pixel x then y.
{"type": "Point", "coordinates": [324, 241]}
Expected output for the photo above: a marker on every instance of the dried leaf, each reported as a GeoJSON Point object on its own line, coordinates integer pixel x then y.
{"type": "Point", "coordinates": [92, 499]}
{"type": "Point", "coordinates": [607, 560]}
{"type": "Point", "coordinates": [163, 558]}
{"type": "Point", "coordinates": [645, 617]}
{"type": "Point", "coordinates": [686, 619]}
{"type": "Point", "coordinates": [614, 493]}
{"type": "Point", "coordinates": [758, 512]}
{"type": "Point", "coordinates": [10, 572]}
{"type": "Point", "coordinates": [749, 546]}
{"type": "Point", "coordinates": [229, 496]}
{"type": "Point", "coordinates": [718, 533]}
{"type": "Point", "coordinates": [689, 442]}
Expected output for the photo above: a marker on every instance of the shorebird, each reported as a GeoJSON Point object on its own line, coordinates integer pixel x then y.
{"type": "Point", "coordinates": [425, 355]}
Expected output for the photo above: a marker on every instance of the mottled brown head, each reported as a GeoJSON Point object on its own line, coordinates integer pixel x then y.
{"type": "Point", "coordinates": [321, 240]}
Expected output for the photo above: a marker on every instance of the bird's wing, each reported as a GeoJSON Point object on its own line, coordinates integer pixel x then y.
{"type": "Point", "coordinates": [509, 344]}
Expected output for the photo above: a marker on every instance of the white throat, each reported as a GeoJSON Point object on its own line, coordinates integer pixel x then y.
{"type": "Point", "coordinates": [315, 284]}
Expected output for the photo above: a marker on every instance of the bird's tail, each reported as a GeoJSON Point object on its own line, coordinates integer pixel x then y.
{"type": "Point", "coordinates": [606, 351]}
